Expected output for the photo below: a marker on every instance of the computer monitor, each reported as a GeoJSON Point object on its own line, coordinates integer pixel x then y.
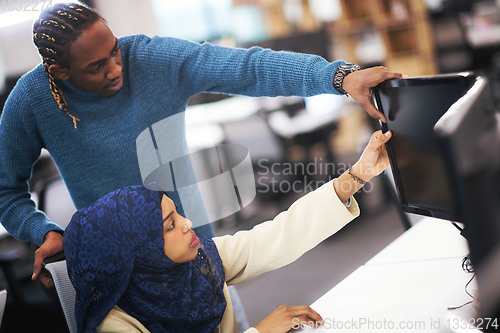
{"type": "Point", "coordinates": [445, 157]}
{"type": "Point", "coordinates": [412, 107]}
{"type": "Point", "coordinates": [470, 136]}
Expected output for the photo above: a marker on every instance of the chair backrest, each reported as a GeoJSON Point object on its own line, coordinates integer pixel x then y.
{"type": "Point", "coordinates": [3, 300]}
{"type": "Point", "coordinates": [54, 199]}
{"type": "Point", "coordinates": [65, 291]}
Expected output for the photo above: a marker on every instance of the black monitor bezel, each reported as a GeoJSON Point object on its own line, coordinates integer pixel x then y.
{"type": "Point", "coordinates": [454, 215]}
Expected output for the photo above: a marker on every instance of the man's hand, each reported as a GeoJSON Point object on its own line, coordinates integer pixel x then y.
{"type": "Point", "coordinates": [52, 244]}
{"type": "Point", "coordinates": [357, 84]}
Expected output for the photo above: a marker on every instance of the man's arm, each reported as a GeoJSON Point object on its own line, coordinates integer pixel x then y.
{"type": "Point", "coordinates": [190, 68]}
{"type": "Point", "coordinates": [20, 147]}
{"type": "Point", "coordinates": [264, 72]}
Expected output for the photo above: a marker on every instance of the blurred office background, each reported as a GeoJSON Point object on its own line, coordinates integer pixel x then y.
{"type": "Point", "coordinates": [295, 144]}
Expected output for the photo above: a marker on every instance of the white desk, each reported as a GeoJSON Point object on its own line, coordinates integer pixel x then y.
{"type": "Point", "coordinates": [407, 287]}
{"type": "Point", "coordinates": [429, 239]}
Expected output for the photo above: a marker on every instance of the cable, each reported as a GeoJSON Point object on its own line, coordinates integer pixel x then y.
{"type": "Point", "coordinates": [467, 267]}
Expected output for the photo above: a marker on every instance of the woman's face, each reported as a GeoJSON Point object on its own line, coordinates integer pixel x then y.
{"type": "Point", "coordinates": [181, 243]}
{"type": "Point", "coordinates": [95, 62]}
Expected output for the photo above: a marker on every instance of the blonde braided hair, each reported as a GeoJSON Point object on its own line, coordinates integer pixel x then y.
{"type": "Point", "coordinates": [53, 34]}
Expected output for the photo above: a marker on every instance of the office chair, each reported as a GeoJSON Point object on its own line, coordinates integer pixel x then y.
{"type": "Point", "coordinates": [65, 291]}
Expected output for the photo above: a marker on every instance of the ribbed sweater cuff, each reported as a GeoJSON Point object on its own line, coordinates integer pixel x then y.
{"type": "Point", "coordinates": [39, 231]}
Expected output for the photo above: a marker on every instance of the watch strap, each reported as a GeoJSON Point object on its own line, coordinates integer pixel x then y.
{"type": "Point", "coordinates": [342, 71]}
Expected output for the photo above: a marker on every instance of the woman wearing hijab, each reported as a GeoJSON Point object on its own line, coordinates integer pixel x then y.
{"type": "Point", "coordinates": [136, 265]}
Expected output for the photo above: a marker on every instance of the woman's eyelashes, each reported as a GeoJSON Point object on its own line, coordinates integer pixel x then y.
{"type": "Point", "coordinates": [171, 226]}
{"type": "Point", "coordinates": [171, 217]}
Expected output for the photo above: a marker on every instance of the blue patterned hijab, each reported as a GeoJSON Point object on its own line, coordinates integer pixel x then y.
{"type": "Point", "coordinates": [115, 255]}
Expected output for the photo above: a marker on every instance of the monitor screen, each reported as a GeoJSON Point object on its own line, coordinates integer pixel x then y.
{"type": "Point", "coordinates": [412, 107]}
{"type": "Point", "coordinates": [470, 134]}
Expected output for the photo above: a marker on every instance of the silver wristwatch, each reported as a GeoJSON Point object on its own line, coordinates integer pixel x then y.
{"type": "Point", "coordinates": [341, 73]}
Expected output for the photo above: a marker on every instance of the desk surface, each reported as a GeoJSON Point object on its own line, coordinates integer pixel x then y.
{"type": "Point", "coordinates": [427, 240]}
{"type": "Point", "coordinates": [407, 287]}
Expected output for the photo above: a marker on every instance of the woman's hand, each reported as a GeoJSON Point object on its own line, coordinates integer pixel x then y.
{"type": "Point", "coordinates": [358, 84]}
{"type": "Point", "coordinates": [374, 158]}
{"type": "Point", "coordinates": [285, 318]}
{"type": "Point", "coordinates": [372, 162]}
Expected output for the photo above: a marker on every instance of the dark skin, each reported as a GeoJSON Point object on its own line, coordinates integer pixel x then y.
{"type": "Point", "coordinates": [52, 245]}
{"type": "Point", "coordinates": [358, 84]}
{"type": "Point", "coordinates": [95, 64]}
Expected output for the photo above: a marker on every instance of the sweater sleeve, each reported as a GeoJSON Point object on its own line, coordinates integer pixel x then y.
{"type": "Point", "coordinates": [20, 146]}
{"type": "Point", "coordinates": [191, 67]}
{"type": "Point", "coordinates": [274, 244]}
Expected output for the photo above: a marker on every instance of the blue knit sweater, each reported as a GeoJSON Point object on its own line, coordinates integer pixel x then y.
{"type": "Point", "coordinates": [160, 74]}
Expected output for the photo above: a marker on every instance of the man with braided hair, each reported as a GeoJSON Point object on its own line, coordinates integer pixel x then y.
{"type": "Point", "coordinates": [66, 25]}
{"type": "Point", "coordinates": [94, 94]}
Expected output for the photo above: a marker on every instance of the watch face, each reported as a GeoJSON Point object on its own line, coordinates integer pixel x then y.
{"type": "Point", "coordinates": [348, 66]}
